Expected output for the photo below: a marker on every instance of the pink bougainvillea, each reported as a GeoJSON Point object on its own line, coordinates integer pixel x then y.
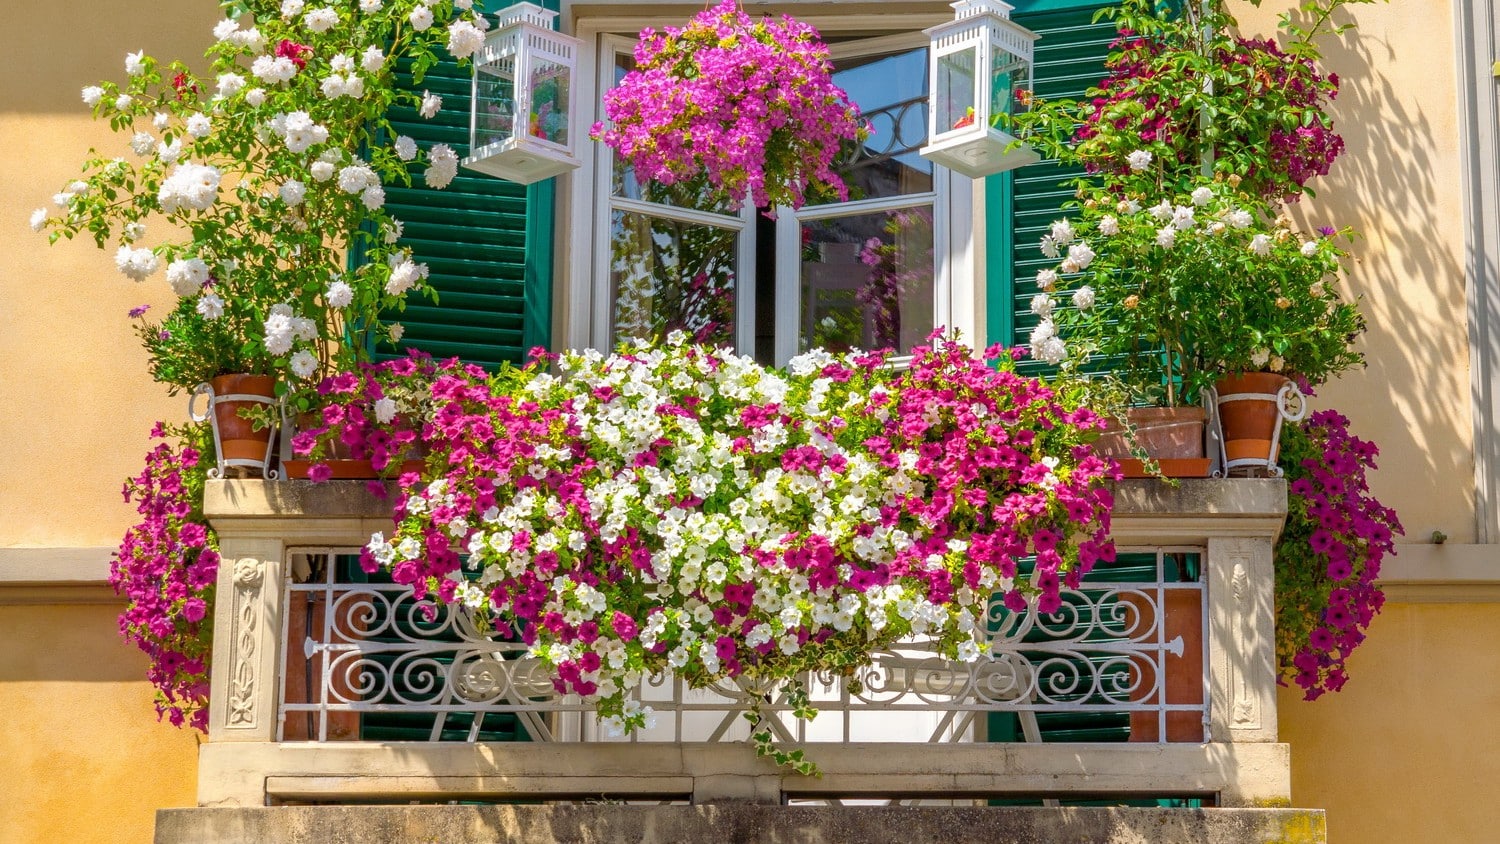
{"type": "Point", "coordinates": [1328, 557]}
{"type": "Point", "coordinates": [165, 568]}
{"type": "Point", "coordinates": [748, 106]}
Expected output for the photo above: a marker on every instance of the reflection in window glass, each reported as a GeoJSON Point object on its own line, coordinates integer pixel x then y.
{"type": "Point", "coordinates": [667, 276]}
{"type": "Point", "coordinates": [867, 281]}
{"type": "Point", "coordinates": [549, 102]}
{"type": "Point", "coordinates": [891, 92]}
{"type": "Point", "coordinates": [955, 95]}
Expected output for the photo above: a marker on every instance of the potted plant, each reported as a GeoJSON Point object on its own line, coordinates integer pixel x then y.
{"type": "Point", "coordinates": [1181, 266]}
{"type": "Point", "coordinates": [258, 181]}
{"type": "Point", "coordinates": [733, 107]}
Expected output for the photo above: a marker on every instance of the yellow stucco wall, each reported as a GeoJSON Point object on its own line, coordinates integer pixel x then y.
{"type": "Point", "coordinates": [84, 759]}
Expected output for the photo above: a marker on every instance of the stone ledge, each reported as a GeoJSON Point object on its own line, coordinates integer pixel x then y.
{"type": "Point", "coordinates": [742, 824]}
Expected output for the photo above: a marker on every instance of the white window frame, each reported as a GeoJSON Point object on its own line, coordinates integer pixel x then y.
{"type": "Point", "coordinates": [583, 293]}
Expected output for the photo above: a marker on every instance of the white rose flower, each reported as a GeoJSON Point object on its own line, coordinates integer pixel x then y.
{"type": "Point", "coordinates": [1044, 330]}
{"type": "Point", "coordinates": [278, 331]}
{"type": "Point", "coordinates": [406, 148]}
{"type": "Point", "coordinates": [397, 332]}
{"type": "Point", "coordinates": [160, 121]}
{"type": "Point", "coordinates": [464, 38]}
{"type": "Point", "coordinates": [1260, 245]}
{"type": "Point", "coordinates": [373, 197]}
{"type": "Point", "coordinates": [442, 166]}
{"type": "Point", "coordinates": [191, 186]}
{"type": "Point", "coordinates": [1166, 237]}
{"type": "Point", "coordinates": [141, 143]}
{"type": "Point", "coordinates": [1083, 298]}
{"type": "Point", "coordinates": [385, 410]}
{"type": "Point", "coordinates": [1042, 304]}
{"type": "Point", "coordinates": [356, 177]}
{"type": "Point", "coordinates": [134, 232]}
{"type": "Point", "coordinates": [135, 63]}
{"type": "Point", "coordinates": [293, 193]}
{"type": "Point", "coordinates": [1062, 232]}
{"type": "Point", "coordinates": [1239, 218]}
{"type": "Point", "coordinates": [256, 97]}
{"type": "Point", "coordinates": [1162, 210]}
{"type": "Point", "coordinates": [38, 219]}
{"type": "Point", "coordinates": [291, 8]}
{"type": "Point", "coordinates": [1046, 279]}
{"type": "Point", "coordinates": [62, 200]}
{"type": "Point", "coordinates": [274, 69]}
{"type": "Point", "coordinates": [1309, 249]}
{"type": "Point", "coordinates": [210, 306]}
{"type": "Point", "coordinates": [225, 29]}
{"type": "Point", "coordinates": [250, 39]}
{"type": "Point", "coordinates": [1048, 246]}
{"type": "Point", "coordinates": [321, 171]}
{"type": "Point", "coordinates": [342, 63]}
{"type": "Point", "coordinates": [339, 295]}
{"type": "Point", "coordinates": [1182, 217]}
{"type": "Point", "coordinates": [1261, 358]}
{"type": "Point", "coordinates": [372, 60]}
{"type": "Point", "coordinates": [394, 230]}
{"type": "Point", "coordinates": [1202, 196]}
{"type": "Point", "coordinates": [92, 95]}
{"type": "Point", "coordinates": [304, 364]}
{"type": "Point", "coordinates": [230, 84]}
{"type": "Point", "coordinates": [123, 102]}
{"type": "Point", "coordinates": [465, 5]}
{"type": "Point", "coordinates": [431, 105]}
{"type": "Point", "coordinates": [1081, 255]}
{"type": "Point", "coordinates": [199, 126]}
{"type": "Point", "coordinates": [370, 7]}
{"type": "Point", "coordinates": [404, 275]}
{"type": "Point", "coordinates": [1052, 350]}
{"type": "Point", "coordinates": [136, 264]}
{"type": "Point", "coordinates": [321, 19]}
{"type": "Point", "coordinates": [187, 276]}
{"type": "Point", "coordinates": [1109, 226]}
{"type": "Point", "coordinates": [1139, 160]}
{"type": "Point", "coordinates": [421, 18]}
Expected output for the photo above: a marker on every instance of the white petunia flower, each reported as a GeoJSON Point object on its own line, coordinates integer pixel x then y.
{"type": "Point", "coordinates": [1046, 279]}
{"type": "Point", "coordinates": [1083, 298]}
{"type": "Point", "coordinates": [1309, 249]}
{"type": "Point", "coordinates": [1139, 160]}
{"type": "Point", "coordinates": [442, 166]}
{"type": "Point", "coordinates": [431, 105]}
{"type": "Point", "coordinates": [372, 60]}
{"type": "Point", "coordinates": [303, 364]}
{"type": "Point", "coordinates": [1166, 237]}
{"type": "Point", "coordinates": [230, 84]}
{"type": "Point", "coordinates": [92, 95]}
{"type": "Point", "coordinates": [199, 126]}
{"type": "Point", "coordinates": [1261, 245]}
{"type": "Point", "coordinates": [293, 193]}
{"type": "Point", "coordinates": [406, 148]}
{"type": "Point", "coordinates": [135, 63]}
{"type": "Point", "coordinates": [321, 19]}
{"type": "Point", "coordinates": [210, 306]}
{"type": "Point", "coordinates": [137, 264]}
{"type": "Point", "coordinates": [339, 295]}
{"type": "Point", "coordinates": [38, 219]}
{"type": "Point", "coordinates": [385, 410]}
{"type": "Point", "coordinates": [1202, 196]}
{"type": "Point", "coordinates": [464, 38]}
{"type": "Point", "coordinates": [141, 143]}
{"type": "Point", "coordinates": [1109, 226]}
{"type": "Point", "coordinates": [187, 276]}
{"type": "Point", "coordinates": [421, 18]}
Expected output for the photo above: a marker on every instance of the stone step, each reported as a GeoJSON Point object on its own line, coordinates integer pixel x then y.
{"type": "Point", "coordinates": [736, 824]}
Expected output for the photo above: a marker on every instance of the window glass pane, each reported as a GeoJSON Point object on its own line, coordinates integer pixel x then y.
{"type": "Point", "coordinates": [955, 90]}
{"type": "Point", "coordinates": [495, 89]}
{"type": "Point", "coordinates": [624, 183]}
{"type": "Point", "coordinates": [891, 92]}
{"type": "Point", "coordinates": [667, 276]}
{"type": "Point", "coordinates": [867, 281]}
{"type": "Point", "coordinates": [550, 84]}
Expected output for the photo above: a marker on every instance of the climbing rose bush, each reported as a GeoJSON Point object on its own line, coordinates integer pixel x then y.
{"type": "Point", "coordinates": [748, 106]}
{"type": "Point", "coordinates": [1329, 554]}
{"type": "Point", "coordinates": [683, 508]}
{"type": "Point", "coordinates": [165, 569]}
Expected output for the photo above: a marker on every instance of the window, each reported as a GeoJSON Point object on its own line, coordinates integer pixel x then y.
{"type": "Point", "coordinates": [869, 272]}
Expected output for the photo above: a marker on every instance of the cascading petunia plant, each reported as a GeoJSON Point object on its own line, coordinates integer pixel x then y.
{"type": "Point", "coordinates": [739, 107]}
{"type": "Point", "coordinates": [682, 508]}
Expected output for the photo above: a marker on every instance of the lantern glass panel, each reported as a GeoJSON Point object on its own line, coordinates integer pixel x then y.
{"type": "Point", "coordinates": [1011, 74]}
{"type": "Point", "coordinates": [550, 83]}
{"type": "Point", "coordinates": [495, 101]}
{"type": "Point", "coordinates": [955, 89]}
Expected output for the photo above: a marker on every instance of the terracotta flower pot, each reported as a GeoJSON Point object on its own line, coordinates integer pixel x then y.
{"type": "Point", "coordinates": [238, 439]}
{"type": "Point", "coordinates": [1248, 414]}
{"type": "Point", "coordinates": [1172, 436]}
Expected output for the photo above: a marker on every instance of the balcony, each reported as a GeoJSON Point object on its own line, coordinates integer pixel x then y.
{"type": "Point", "coordinates": [1154, 685]}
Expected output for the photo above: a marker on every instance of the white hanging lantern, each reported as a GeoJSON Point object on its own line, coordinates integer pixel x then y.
{"type": "Point", "coordinates": [978, 62]}
{"type": "Point", "coordinates": [521, 115]}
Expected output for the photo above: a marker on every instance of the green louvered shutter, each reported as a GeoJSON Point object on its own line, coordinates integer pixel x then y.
{"type": "Point", "coordinates": [1020, 205]}
{"type": "Point", "coordinates": [488, 242]}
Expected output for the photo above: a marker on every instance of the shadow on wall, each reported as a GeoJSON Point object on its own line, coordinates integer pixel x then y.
{"type": "Point", "coordinates": [1412, 399]}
